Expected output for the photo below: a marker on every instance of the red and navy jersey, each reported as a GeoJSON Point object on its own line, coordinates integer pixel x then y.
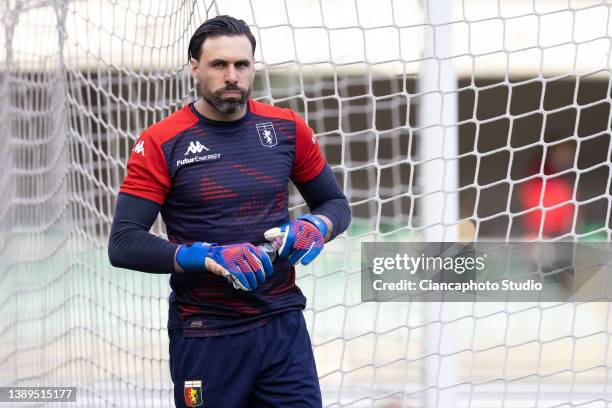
{"type": "Point", "coordinates": [225, 182]}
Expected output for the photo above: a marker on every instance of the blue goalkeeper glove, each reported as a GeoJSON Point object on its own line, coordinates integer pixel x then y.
{"type": "Point", "coordinates": [243, 265]}
{"type": "Point", "coordinates": [301, 240]}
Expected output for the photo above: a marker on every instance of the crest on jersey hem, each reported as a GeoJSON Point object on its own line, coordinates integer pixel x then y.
{"type": "Point", "coordinates": [193, 393]}
{"type": "Point", "coordinates": [267, 135]}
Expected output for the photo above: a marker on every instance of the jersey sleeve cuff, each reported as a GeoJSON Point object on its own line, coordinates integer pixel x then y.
{"type": "Point", "coordinates": [311, 174]}
{"type": "Point", "coordinates": [149, 195]}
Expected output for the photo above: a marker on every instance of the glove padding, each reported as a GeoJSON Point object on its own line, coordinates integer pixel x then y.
{"type": "Point", "coordinates": [301, 240]}
{"type": "Point", "coordinates": [243, 265]}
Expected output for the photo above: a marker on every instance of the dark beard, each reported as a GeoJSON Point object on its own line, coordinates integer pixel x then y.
{"type": "Point", "coordinates": [225, 105]}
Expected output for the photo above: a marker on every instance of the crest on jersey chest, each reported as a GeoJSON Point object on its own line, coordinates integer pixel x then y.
{"type": "Point", "coordinates": [267, 135]}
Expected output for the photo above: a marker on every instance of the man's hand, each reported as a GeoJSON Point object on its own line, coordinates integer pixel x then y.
{"type": "Point", "coordinates": [243, 265]}
{"type": "Point", "coordinates": [301, 240]}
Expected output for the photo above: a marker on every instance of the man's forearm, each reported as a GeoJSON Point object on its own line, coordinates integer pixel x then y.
{"type": "Point", "coordinates": [131, 245]}
{"type": "Point", "coordinates": [337, 214]}
{"type": "Point", "coordinates": [325, 199]}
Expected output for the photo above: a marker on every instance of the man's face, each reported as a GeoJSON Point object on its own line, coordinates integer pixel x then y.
{"type": "Point", "coordinates": [225, 72]}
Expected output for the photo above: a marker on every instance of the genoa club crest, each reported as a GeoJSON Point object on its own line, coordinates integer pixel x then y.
{"type": "Point", "coordinates": [267, 135]}
{"type": "Point", "coordinates": [193, 393]}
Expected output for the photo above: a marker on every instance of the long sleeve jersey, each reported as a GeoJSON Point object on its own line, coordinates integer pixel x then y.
{"type": "Point", "coordinates": [225, 182]}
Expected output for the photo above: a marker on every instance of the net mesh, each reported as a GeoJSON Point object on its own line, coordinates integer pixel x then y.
{"type": "Point", "coordinates": [529, 159]}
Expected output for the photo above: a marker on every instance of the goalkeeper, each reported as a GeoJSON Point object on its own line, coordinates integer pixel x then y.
{"type": "Point", "coordinates": [218, 170]}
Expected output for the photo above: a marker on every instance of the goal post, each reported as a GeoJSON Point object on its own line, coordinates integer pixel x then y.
{"type": "Point", "coordinates": [465, 120]}
{"type": "Point", "coordinates": [439, 210]}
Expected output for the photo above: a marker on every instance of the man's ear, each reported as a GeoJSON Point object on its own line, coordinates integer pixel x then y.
{"type": "Point", "coordinates": [194, 68]}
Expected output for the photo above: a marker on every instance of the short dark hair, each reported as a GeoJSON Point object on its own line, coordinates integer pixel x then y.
{"type": "Point", "coordinates": [220, 25]}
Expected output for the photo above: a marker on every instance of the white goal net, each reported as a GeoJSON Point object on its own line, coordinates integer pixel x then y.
{"type": "Point", "coordinates": [443, 120]}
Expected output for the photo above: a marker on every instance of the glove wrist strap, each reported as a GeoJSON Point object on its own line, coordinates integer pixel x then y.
{"type": "Point", "coordinates": [192, 257]}
{"type": "Point", "coordinates": [316, 221]}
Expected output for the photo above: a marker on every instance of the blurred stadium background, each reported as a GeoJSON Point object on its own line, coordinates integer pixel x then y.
{"type": "Point", "coordinates": [441, 120]}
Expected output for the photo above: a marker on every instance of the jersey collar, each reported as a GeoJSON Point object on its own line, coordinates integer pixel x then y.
{"type": "Point", "coordinates": [221, 123]}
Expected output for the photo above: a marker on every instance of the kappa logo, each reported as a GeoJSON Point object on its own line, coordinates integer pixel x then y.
{"type": "Point", "coordinates": [267, 135]}
{"type": "Point", "coordinates": [193, 393]}
{"type": "Point", "coordinates": [196, 147]}
{"type": "Point", "coordinates": [139, 147]}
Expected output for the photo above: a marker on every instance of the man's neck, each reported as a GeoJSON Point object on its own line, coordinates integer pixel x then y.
{"type": "Point", "coordinates": [206, 110]}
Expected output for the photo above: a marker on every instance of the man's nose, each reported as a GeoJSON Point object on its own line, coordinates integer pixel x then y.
{"type": "Point", "coordinates": [230, 74]}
